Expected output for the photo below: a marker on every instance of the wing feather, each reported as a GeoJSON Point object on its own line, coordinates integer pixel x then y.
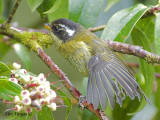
{"type": "Point", "coordinates": [95, 92]}
{"type": "Point", "coordinates": [101, 91]}
{"type": "Point", "coordinates": [106, 69]}
{"type": "Point", "coordinates": [127, 80]}
{"type": "Point", "coordinates": [108, 89]}
{"type": "Point", "coordinates": [89, 90]}
{"type": "Point", "coordinates": [121, 82]}
{"type": "Point", "coordinates": [113, 85]}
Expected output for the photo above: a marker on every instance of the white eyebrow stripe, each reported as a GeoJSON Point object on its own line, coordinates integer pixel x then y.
{"type": "Point", "coordinates": [68, 30]}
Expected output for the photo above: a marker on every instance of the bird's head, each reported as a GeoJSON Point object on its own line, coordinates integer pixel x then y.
{"type": "Point", "coordinates": [62, 29]}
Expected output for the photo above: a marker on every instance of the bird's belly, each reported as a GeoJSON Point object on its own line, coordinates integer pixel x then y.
{"type": "Point", "coordinates": [78, 54]}
{"type": "Point", "coordinates": [79, 60]}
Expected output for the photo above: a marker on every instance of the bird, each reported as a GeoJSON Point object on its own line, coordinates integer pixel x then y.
{"type": "Point", "coordinates": [107, 74]}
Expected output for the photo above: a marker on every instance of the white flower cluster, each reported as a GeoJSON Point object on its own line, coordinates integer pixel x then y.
{"type": "Point", "coordinates": [36, 90]}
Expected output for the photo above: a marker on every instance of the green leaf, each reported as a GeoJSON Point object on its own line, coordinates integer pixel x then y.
{"type": "Point", "coordinates": [1, 7]}
{"type": "Point", "coordinates": [45, 114]}
{"type": "Point", "coordinates": [157, 94]}
{"type": "Point", "coordinates": [4, 70]}
{"type": "Point", "coordinates": [86, 115]}
{"type": "Point", "coordinates": [66, 100]}
{"type": "Point", "coordinates": [54, 7]}
{"type": "Point", "coordinates": [120, 24]}
{"type": "Point", "coordinates": [110, 3]}
{"type": "Point", "coordinates": [147, 25]}
{"type": "Point", "coordinates": [157, 115]}
{"type": "Point", "coordinates": [129, 106]}
{"type": "Point", "coordinates": [75, 9]}
{"type": "Point", "coordinates": [139, 38]}
{"type": "Point", "coordinates": [157, 91]}
{"type": "Point", "coordinates": [2, 20]}
{"type": "Point", "coordinates": [45, 6]}
{"type": "Point", "coordinates": [60, 12]}
{"type": "Point", "coordinates": [85, 12]}
{"type": "Point", "coordinates": [157, 34]}
{"type": "Point", "coordinates": [8, 87]}
{"type": "Point", "coordinates": [3, 49]}
{"type": "Point", "coordinates": [23, 54]}
{"type": "Point", "coordinates": [34, 4]}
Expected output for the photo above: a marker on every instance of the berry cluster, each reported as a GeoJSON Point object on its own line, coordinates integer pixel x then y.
{"type": "Point", "coordinates": [36, 91]}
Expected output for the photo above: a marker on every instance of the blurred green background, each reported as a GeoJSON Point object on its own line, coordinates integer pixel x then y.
{"type": "Point", "coordinates": [25, 18]}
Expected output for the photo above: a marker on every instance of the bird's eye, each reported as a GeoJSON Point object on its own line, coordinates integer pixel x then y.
{"type": "Point", "coordinates": [56, 28]}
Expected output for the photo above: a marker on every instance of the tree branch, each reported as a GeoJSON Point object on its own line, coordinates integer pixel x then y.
{"type": "Point", "coordinates": [13, 12]}
{"type": "Point", "coordinates": [116, 46]}
{"type": "Point", "coordinates": [134, 50]}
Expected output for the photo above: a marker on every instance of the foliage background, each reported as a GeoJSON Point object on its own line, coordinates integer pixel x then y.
{"type": "Point", "coordinates": [24, 17]}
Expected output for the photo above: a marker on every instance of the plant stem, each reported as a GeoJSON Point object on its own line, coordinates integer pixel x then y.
{"type": "Point", "coordinates": [99, 28]}
{"type": "Point", "coordinates": [13, 12]}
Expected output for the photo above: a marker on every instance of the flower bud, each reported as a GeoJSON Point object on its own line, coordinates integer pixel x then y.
{"type": "Point", "coordinates": [47, 84]}
{"type": "Point", "coordinates": [13, 80]}
{"type": "Point", "coordinates": [25, 93]}
{"type": "Point", "coordinates": [22, 71]}
{"type": "Point", "coordinates": [41, 79]}
{"type": "Point", "coordinates": [28, 109]}
{"type": "Point", "coordinates": [36, 103]}
{"type": "Point", "coordinates": [16, 66]}
{"type": "Point", "coordinates": [53, 106]}
{"type": "Point", "coordinates": [53, 94]}
{"type": "Point", "coordinates": [26, 101]}
{"type": "Point", "coordinates": [17, 100]}
{"type": "Point", "coordinates": [27, 78]}
{"type": "Point", "coordinates": [18, 108]}
{"type": "Point", "coordinates": [40, 89]}
{"type": "Point", "coordinates": [42, 101]}
{"type": "Point", "coordinates": [48, 100]}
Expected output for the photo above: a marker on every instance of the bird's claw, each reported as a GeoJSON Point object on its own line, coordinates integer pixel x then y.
{"type": "Point", "coordinates": [82, 99]}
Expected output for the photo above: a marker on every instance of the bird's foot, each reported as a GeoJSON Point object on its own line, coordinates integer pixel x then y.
{"type": "Point", "coordinates": [82, 99]}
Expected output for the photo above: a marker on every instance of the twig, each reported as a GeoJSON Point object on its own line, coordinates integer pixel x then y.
{"type": "Point", "coordinates": [99, 28]}
{"type": "Point", "coordinates": [134, 50]}
{"type": "Point", "coordinates": [13, 11]}
{"type": "Point", "coordinates": [157, 75]}
{"type": "Point", "coordinates": [150, 12]}
{"type": "Point", "coordinates": [135, 65]}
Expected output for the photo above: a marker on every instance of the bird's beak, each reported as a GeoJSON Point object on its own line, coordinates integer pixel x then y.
{"type": "Point", "coordinates": [47, 26]}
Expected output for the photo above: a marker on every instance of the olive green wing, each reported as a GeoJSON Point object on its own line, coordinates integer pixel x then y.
{"type": "Point", "coordinates": [109, 76]}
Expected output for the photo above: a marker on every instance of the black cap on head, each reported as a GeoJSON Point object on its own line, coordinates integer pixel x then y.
{"type": "Point", "coordinates": [64, 29]}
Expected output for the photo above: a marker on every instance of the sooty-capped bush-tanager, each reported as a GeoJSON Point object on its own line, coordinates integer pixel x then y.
{"type": "Point", "coordinates": [106, 72]}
